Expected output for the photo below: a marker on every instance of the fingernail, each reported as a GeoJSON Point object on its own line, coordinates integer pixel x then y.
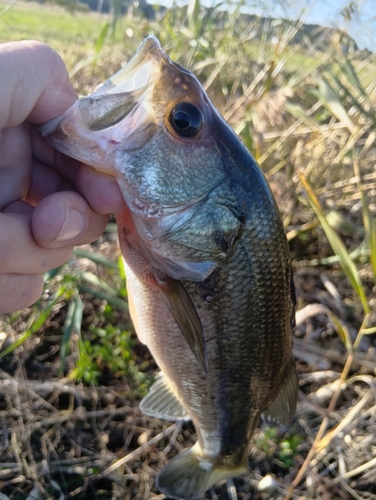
{"type": "Point", "coordinates": [73, 225]}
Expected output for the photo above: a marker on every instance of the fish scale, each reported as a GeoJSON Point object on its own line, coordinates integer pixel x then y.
{"type": "Point", "coordinates": [207, 263]}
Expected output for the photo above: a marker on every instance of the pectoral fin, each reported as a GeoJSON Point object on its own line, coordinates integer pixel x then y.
{"type": "Point", "coordinates": [161, 402]}
{"type": "Point", "coordinates": [283, 407]}
{"type": "Point", "coordinates": [184, 312]}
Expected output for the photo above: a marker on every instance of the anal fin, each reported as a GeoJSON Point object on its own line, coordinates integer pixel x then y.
{"type": "Point", "coordinates": [283, 407]}
{"type": "Point", "coordinates": [161, 402]}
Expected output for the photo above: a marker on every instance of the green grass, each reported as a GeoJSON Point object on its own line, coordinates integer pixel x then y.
{"type": "Point", "coordinates": [54, 26]}
{"type": "Point", "coordinates": [73, 35]}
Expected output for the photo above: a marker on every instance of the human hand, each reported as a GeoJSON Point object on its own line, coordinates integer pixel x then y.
{"type": "Point", "coordinates": [48, 202]}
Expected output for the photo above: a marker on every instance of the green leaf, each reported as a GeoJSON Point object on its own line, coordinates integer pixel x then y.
{"type": "Point", "coordinates": [193, 14]}
{"type": "Point", "coordinates": [101, 39]}
{"type": "Point", "coordinates": [368, 331]}
{"type": "Point", "coordinates": [368, 221]}
{"type": "Point", "coordinates": [93, 279]}
{"type": "Point", "coordinates": [337, 245]}
{"type": "Point", "coordinates": [342, 331]}
{"type": "Point", "coordinates": [297, 112]}
{"type": "Point", "coordinates": [72, 324]}
{"type": "Point", "coordinates": [95, 257]}
{"type": "Point", "coordinates": [37, 323]}
{"type": "Point", "coordinates": [119, 303]}
{"type": "Point", "coordinates": [331, 100]}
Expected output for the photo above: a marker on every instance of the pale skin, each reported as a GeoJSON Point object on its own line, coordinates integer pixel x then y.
{"type": "Point", "coordinates": [49, 203]}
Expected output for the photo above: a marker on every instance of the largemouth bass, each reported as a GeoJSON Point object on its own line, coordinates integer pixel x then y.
{"type": "Point", "coordinates": [207, 263]}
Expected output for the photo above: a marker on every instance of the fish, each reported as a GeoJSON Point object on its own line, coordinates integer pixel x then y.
{"type": "Point", "coordinates": [208, 269]}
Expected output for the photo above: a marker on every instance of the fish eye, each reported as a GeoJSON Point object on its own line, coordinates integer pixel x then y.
{"type": "Point", "coordinates": [186, 119]}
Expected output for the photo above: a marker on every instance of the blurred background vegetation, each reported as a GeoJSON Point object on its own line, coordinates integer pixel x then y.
{"type": "Point", "coordinates": [303, 100]}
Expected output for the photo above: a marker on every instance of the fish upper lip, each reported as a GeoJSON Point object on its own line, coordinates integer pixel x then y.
{"type": "Point", "coordinates": [139, 70]}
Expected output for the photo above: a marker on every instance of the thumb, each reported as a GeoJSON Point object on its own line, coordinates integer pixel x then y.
{"type": "Point", "coordinates": [66, 219]}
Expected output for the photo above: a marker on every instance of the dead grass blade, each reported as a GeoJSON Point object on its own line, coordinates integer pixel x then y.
{"type": "Point", "coordinates": [321, 432]}
{"type": "Point", "coordinates": [142, 449]}
{"type": "Point", "coordinates": [357, 470]}
{"type": "Point", "coordinates": [368, 221]}
{"type": "Point", "coordinates": [331, 101]}
{"type": "Point", "coordinates": [337, 245]}
{"type": "Point", "coordinates": [351, 415]}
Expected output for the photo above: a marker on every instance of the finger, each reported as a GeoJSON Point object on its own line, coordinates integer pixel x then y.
{"type": "Point", "coordinates": [20, 253]}
{"type": "Point", "coordinates": [34, 83]}
{"type": "Point", "coordinates": [18, 291]}
{"type": "Point", "coordinates": [18, 207]}
{"type": "Point", "coordinates": [100, 190]}
{"type": "Point", "coordinates": [15, 163]}
{"type": "Point", "coordinates": [45, 181]}
{"type": "Point", "coordinates": [65, 218]}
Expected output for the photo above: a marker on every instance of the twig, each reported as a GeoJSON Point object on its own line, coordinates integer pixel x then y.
{"type": "Point", "coordinates": [15, 386]}
{"type": "Point", "coordinates": [33, 388]}
{"type": "Point", "coordinates": [359, 360]}
{"type": "Point", "coordinates": [321, 430]}
{"type": "Point", "coordinates": [308, 311]}
{"type": "Point", "coordinates": [179, 425]}
{"type": "Point", "coordinates": [364, 378]}
{"type": "Point", "coordinates": [231, 490]}
{"type": "Point", "coordinates": [142, 449]}
{"type": "Point", "coordinates": [326, 440]}
{"type": "Point", "coordinates": [356, 471]}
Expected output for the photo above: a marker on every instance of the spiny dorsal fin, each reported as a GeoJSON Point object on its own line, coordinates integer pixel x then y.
{"type": "Point", "coordinates": [184, 312]}
{"type": "Point", "coordinates": [161, 402]}
{"type": "Point", "coordinates": [283, 407]}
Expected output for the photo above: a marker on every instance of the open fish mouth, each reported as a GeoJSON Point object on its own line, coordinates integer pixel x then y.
{"type": "Point", "coordinates": [118, 115]}
{"type": "Point", "coordinates": [131, 109]}
{"type": "Point", "coordinates": [150, 126]}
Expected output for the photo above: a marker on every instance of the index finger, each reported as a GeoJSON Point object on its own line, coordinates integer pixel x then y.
{"type": "Point", "coordinates": [34, 83]}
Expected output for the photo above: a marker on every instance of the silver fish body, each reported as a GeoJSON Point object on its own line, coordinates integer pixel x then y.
{"type": "Point", "coordinates": [208, 269]}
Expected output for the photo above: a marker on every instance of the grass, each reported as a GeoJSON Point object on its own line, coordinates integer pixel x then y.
{"type": "Point", "coordinates": [65, 32]}
{"type": "Point", "coordinates": [71, 370]}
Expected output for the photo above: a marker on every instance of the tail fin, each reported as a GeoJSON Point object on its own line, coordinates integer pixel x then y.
{"type": "Point", "coordinates": [187, 476]}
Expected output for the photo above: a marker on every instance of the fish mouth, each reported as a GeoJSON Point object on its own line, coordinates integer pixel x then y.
{"type": "Point", "coordinates": [139, 71]}
{"type": "Point", "coordinates": [119, 115]}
